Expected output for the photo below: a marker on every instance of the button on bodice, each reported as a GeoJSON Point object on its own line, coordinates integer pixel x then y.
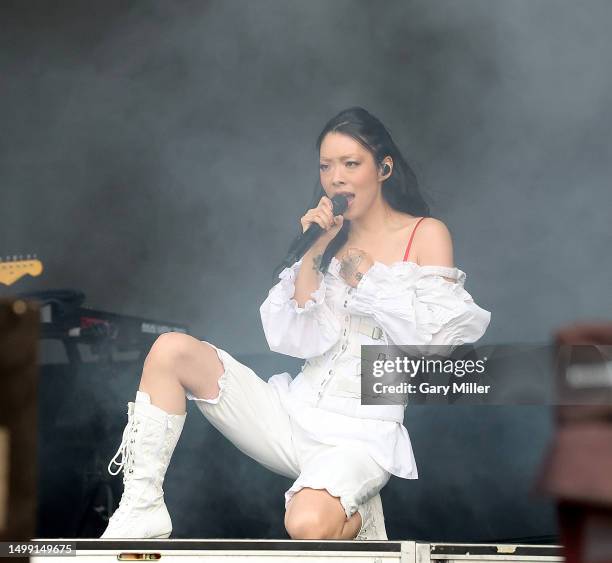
{"type": "Point", "coordinates": [333, 379]}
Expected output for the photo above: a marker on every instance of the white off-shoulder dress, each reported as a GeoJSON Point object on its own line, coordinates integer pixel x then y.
{"type": "Point", "coordinates": [313, 427]}
{"type": "Point", "coordinates": [403, 303]}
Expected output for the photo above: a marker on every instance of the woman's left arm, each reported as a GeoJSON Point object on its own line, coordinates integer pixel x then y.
{"type": "Point", "coordinates": [419, 304]}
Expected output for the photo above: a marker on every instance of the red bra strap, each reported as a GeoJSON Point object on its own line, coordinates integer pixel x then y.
{"type": "Point", "coordinates": [411, 237]}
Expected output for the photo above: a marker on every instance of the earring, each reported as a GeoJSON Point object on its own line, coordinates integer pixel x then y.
{"type": "Point", "coordinates": [386, 169]}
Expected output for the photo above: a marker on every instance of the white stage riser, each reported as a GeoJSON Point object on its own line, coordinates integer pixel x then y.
{"type": "Point", "coordinates": [260, 551]}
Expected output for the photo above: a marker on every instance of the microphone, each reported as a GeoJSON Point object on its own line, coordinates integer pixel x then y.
{"type": "Point", "coordinates": [308, 237]}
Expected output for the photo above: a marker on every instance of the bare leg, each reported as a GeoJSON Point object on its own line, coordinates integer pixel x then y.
{"type": "Point", "coordinates": [177, 362]}
{"type": "Point", "coordinates": [351, 527]}
{"type": "Point", "coordinates": [315, 514]}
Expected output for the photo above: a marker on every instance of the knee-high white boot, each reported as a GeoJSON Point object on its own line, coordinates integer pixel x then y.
{"type": "Point", "coordinates": [148, 441]}
{"type": "Point", "coordinates": [372, 520]}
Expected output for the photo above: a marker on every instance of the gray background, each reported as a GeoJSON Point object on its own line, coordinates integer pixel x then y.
{"type": "Point", "coordinates": [158, 155]}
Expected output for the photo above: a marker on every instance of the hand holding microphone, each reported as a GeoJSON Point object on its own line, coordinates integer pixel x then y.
{"type": "Point", "coordinates": [323, 217]}
{"type": "Point", "coordinates": [319, 226]}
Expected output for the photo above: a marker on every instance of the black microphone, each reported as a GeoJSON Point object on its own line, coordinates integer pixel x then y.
{"type": "Point", "coordinates": [308, 237]}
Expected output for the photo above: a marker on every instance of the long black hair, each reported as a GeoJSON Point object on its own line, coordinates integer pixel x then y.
{"type": "Point", "coordinates": [400, 190]}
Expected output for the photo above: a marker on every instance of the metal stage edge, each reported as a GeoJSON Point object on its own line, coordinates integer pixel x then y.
{"type": "Point", "coordinates": [303, 551]}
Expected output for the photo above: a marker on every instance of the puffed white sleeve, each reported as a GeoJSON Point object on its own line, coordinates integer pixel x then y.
{"type": "Point", "coordinates": [301, 332]}
{"type": "Point", "coordinates": [416, 305]}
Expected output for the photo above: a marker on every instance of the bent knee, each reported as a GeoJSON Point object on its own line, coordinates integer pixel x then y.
{"type": "Point", "coordinates": [311, 525]}
{"type": "Point", "coordinates": [177, 349]}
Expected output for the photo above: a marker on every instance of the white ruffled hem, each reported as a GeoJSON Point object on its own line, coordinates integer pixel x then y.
{"type": "Point", "coordinates": [348, 503]}
{"type": "Point", "coordinates": [222, 381]}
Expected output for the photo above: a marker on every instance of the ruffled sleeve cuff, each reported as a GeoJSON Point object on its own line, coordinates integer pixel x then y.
{"type": "Point", "coordinates": [301, 332]}
{"type": "Point", "coordinates": [369, 289]}
{"type": "Point", "coordinates": [282, 293]}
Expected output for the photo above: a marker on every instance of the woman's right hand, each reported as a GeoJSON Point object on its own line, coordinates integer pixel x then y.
{"type": "Point", "coordinates": [323, 216]}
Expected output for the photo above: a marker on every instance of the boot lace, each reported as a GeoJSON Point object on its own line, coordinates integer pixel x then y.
{"type": "Point", "coordinates": [124, 457]}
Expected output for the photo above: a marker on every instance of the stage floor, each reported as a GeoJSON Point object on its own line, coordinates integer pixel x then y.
{"type": "Point", "coordinates": [308, 551]}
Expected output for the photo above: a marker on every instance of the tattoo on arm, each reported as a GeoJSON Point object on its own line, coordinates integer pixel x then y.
{"type": "Point", "coordinates": [316, 261]}
{"type": "Point", "coordinates": [349, 265]}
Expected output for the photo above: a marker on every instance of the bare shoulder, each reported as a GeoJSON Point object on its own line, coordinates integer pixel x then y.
{"type": "Point", "coordinates": [432, 228]}
{"type": "Point", "coordinates": [434, 244]}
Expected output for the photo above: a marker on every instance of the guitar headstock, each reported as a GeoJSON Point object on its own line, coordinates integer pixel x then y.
{"type": "Point", "coordinates": [13, 268]}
